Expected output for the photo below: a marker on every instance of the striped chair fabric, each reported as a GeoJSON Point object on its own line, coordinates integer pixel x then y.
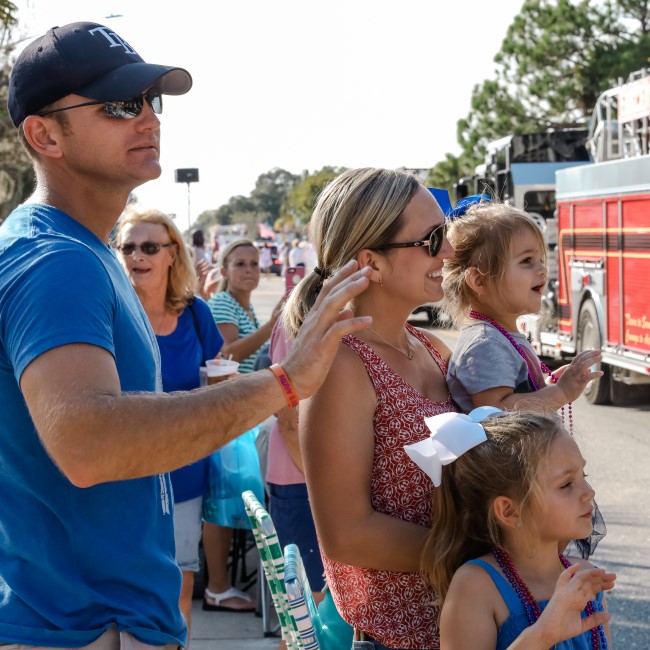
{"type": "Point", "coordinates": [272, 559]}
{"type": "Point", "coordinates": [301, 601]}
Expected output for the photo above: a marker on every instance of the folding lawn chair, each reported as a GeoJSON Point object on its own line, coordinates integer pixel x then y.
{"type": "Point", "coordinates": [302, 607]}
{"type": "Point", "coordinates": [319, 628]}
{"type": "Point", "coordinates": [272, 562]}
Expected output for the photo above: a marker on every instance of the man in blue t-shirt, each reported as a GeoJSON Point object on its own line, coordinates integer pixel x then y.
{"type": "Point", "coordinates": [86, 435]}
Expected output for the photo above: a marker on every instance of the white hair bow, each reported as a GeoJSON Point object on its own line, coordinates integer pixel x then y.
{"type": "Point", "coordinates": [452, 434]}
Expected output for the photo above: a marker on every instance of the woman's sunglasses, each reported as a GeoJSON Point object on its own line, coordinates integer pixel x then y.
{"type": "Point", "coordinates": [147, 248]}
{"type": "Point", "coordinates": [433, 241]}
{"type": "Point", "coordinates": [123, 109]}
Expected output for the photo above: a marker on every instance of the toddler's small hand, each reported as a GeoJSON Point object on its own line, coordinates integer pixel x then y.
{"type": "Point", "coordinates": [573, 378]}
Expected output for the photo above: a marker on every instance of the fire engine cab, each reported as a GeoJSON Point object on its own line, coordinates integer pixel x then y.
{"type": "Point", "coordinates": [601, 295]}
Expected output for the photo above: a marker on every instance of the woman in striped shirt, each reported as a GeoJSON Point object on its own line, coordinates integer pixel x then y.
{"type": "Point", "coordinates": [243, 337]}
{"type": "Point", "coordinates": [232, 308]}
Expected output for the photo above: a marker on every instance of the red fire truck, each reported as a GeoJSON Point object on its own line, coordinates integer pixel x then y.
{"type": "Point", "coordinates": [601, 296]}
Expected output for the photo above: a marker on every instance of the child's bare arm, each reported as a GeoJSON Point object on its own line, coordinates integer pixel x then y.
{"type": "Point", "coordinates": [505, 398]}
{"type": "Point", "coordinates": [571, 381]}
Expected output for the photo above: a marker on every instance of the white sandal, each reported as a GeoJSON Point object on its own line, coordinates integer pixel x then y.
{"type": "Point", "coordinates": [212, 602]}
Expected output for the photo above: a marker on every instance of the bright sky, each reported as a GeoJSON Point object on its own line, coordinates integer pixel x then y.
{"type": "Point", "coordinates": [298, 84]}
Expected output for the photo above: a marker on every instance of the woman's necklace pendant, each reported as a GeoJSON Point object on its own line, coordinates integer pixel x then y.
{"type": "Point", "coordinates": [408, 352]}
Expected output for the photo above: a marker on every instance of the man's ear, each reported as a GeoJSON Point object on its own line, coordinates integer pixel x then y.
{"type": "Point", "coordinates": [507, 512]}
{"type": "Point", "coordinates": [43, 135]}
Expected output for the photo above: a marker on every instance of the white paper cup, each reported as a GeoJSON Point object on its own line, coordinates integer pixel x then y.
{"type": "Point", "coordinates": [220, 370]}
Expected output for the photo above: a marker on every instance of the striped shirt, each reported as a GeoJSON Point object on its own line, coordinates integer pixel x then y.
{"type": "Point", "coordinates": [225, 309]}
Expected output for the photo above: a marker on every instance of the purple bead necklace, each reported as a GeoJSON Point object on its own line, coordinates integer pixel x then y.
{"type": "Point", "coordinates": [533, 612]}
{"type": "Point", "coordinates": [486, 319]}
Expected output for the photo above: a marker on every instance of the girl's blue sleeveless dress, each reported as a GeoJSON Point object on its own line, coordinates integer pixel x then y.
{"type": "Point", "coordinates": [517, 622]}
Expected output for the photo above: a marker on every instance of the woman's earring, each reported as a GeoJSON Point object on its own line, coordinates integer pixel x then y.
{"type": "Point", "coordinates": [381, 281]}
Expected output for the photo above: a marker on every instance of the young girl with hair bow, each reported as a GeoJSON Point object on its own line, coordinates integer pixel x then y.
{"type": "Point", "coordinates": [509, 487]}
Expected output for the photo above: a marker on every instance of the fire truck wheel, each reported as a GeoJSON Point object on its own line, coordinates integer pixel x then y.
{"type": "Point", "coordinates": [597, 391]}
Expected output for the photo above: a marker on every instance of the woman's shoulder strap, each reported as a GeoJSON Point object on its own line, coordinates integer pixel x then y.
{"type": "Point", "coordinates": [375, 365]}
{"type": "Point", "coordinates": [426, 341]}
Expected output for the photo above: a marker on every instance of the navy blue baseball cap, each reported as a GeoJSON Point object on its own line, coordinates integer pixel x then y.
{"type": "Point", "coordinates": [85, 59]}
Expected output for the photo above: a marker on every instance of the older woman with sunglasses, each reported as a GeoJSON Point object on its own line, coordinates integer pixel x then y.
{"type": "Point", "coordinates": [160, 268]}
{"type": "Point", "coordinates": [371, 506]}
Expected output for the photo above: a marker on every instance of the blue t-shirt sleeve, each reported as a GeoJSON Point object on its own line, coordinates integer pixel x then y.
{"type": "Point", "coordinates": [51, 303]}
{"type": "Point", "coordinates": [210, 334]}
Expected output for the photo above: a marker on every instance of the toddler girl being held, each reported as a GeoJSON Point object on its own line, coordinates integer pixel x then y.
{"type": "Point", "coordinates": [509, 487]}
{"type": "Point", "coordinates": [496, 274]}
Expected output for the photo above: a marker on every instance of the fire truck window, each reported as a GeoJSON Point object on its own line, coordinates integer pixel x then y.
{"type": "Point", "coordinates": [541, 202]}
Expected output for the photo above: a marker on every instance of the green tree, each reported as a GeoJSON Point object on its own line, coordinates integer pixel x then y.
{"type": "Point", "coordinates": [207, 218]}
{"type": "Point", "coordinates": [300, 203]}
{"type": "Point", "coordinates": [264, 205]}
{"type": "Point", "coordinates": [16, 175]}
{"type": "Point", "coordinates": [239, 209]}
{"type": "Point", "coordinates": [446, 173]}
{"type": "Point", "coordinates": [557, 57]}
{"type": "Point", "coordinates": [271, 191]}
{"type": "Point", "coordinates": [623, 48]}
{"type": "Point", "coordinates": [535, 85]}
{"type": "Point", "coordinates": [8, 19]}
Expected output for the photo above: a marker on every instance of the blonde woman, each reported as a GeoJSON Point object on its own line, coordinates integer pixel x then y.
{"type": "Point", "coordinates": [371, 505]}
{"type": "Point", "coordinates": [161, 271]}
{"type": "Point", "coordinates": [232, 308]}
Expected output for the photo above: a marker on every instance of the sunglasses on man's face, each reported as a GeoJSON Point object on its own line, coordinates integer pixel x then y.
{"type": "Point", "coordinates": [147, 248]}
{"type": "Point", "coordinates": [433, 243]}
{"type": "Point", "coordinates": [123, 109]}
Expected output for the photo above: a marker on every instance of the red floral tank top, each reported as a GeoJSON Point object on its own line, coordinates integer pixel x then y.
{"type": "Point", "coordinates": [394, 608]}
